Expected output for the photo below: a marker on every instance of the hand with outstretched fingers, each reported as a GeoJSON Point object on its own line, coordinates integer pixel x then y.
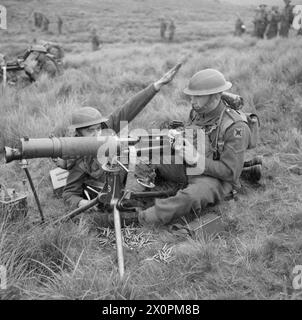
{"type": "Point", "coordinates": [167, 77]}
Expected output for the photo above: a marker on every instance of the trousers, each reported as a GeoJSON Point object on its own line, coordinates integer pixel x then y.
{"type": "Point", "coordinates": [199, 192]}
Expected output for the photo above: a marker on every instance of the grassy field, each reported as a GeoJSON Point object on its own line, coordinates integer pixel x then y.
{"type": "Point", "coordinates": [255, 256]}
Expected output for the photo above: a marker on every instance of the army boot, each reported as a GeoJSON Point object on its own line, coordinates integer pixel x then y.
{"type": "Point", "coordinates": [256, 160]}
{"type": "Point", "coordinates": [252, 173]}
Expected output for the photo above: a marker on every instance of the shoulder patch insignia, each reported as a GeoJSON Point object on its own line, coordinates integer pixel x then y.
{"type": "Point", "coordinates": [238, 133]}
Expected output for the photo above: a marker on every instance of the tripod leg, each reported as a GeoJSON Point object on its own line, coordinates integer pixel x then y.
{"type": "Point", "coordinates": [119, 242]}
{"type": "Point", "coordinates": [4, 76]}
{"type": "Point", "coordinates": [77, 211]}
{"type": "Point", "coordinates": [35, 193]}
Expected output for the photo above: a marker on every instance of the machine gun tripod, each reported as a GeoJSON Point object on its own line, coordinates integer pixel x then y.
{"type": "Point", "coordinates": [112, 197]}
{"type": "Point", "coordinates": [112, 194]}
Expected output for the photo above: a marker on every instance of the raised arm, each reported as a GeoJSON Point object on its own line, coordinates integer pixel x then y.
{"type": "Point", "coordinates": [137, 103]}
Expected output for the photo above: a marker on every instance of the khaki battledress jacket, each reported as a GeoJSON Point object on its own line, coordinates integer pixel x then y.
{"type": "Point", "coordinates": [221, 174]}
{"type": "Point", "coordinates": [88, 168]}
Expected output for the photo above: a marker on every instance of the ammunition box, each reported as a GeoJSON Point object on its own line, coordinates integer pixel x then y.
{"type": "Point", "coordinates": [13, 206]}
{"type": "Point", "coordinates": [58, 179]}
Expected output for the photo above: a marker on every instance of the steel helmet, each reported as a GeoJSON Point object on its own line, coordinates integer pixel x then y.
{"type": "Point", "coordinates": [206, 82]}
{"type": "Point", "coordinates": [85, 117]}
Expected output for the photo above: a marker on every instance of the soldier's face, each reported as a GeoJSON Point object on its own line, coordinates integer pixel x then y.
{"type": "Point", "coordinates": [199, 103]}
{"type": "Point", "coordinates": [92, 131]}
{"type": "Point", "coordinates": [205, 104]}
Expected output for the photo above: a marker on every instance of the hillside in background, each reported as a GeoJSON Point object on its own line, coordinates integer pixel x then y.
{"type": "Point", "coordinates": [119, 21]}
{"type": "Point", "coordinates": [257, 2]}
{"type": "Point", "coordinates": [261, 244]}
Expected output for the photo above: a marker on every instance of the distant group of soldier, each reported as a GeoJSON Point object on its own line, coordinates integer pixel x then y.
{"type": "Point", "coordinates": [42, 22]}
{"type": "Point", "coordinates": [167, 25]}
{"type": "Point", "coordinates": [269, 23]}
{"type": "Point", "coordinates": [272, 22]}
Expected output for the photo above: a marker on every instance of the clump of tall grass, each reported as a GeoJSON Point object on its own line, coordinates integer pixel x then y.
{"type": "Point", "coordinates": [35, 254]}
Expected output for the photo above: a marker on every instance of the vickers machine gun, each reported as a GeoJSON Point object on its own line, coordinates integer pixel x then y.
{"type": "Point", "coordinates": [112, 195]}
